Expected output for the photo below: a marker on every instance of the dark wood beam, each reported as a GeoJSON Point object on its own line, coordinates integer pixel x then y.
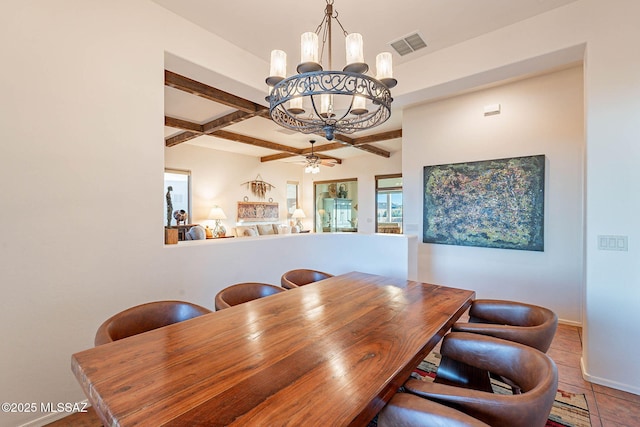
{"type": "Point", "coordinates": [350, 142]}
{"type": "Point", "coordinates": [186, 84]}
{"type": "Point", "coordinates": [278, 156]}
{"type": "Point", "coordinates": [383, 136]}
{"type": "Point", "coordinates": [305, 152]}
{"type": "Point", "coordinates": [182, 124]}
{"type": "Point", "coordinates": [373, 150]}
{"type": "Point", "coordinates": [227, 120]}
{"type": "Point", "coordinates": [180, 138]}
{"type": "Point", "coordinates": [325, 147]}
{"type": "Point", "coordinates": [255, 141]}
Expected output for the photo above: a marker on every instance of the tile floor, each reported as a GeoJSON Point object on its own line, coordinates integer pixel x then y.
{"type": "Point", "coordinates": [608, 407]}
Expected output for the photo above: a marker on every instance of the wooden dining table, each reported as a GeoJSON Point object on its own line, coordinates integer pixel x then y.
{"type": "Point", "coordinates": [330, 353]}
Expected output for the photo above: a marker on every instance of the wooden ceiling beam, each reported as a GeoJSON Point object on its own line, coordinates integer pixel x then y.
{"type": "Point", "coordinates": [186, 84]}
{"type": "Point", "coordinates": [351, 142]}
{"type": "Point", "coordinates": [278, 156]}
{"type": "Point", "coordinates": [227, 120]}
{"type": "Point", "coordinates": [182, 124]}
{"type": "Point", "coordinates": [325, 147]}
{"type": "Point", "coordinates": [255, 141]}
{"type": "Point", "coordinates": [281, 156]}
{"type": "Point", "coordinates": [180, 138]}
{"type": "Point", "coordinates": [383, 136]}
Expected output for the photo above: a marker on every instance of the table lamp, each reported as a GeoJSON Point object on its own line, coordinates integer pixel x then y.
{"type": "Point", "coordinates": [217, 214]}
{"type": "Point", "coordinates": [297, 215]}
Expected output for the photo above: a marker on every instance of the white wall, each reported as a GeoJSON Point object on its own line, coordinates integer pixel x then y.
{"type": "Point", "coordinates": [613, 201]}
{"type": "Point", "coordinates": [542, 115]}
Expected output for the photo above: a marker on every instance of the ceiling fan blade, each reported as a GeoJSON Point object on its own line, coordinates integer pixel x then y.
{"type": "Point", "coordinates": [329, 163]}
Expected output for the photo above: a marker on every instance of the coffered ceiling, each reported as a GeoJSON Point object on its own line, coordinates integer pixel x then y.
{"type": "Point", "coordinates": [258, 26]}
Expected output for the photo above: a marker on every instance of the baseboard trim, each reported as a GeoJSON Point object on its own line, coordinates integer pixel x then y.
{"type": "Point", "coordinates": [607, 383]}
{"type": "Point", "coordinates": [53, 416]}
{"type": "Point", "coordinates": [570, 323]}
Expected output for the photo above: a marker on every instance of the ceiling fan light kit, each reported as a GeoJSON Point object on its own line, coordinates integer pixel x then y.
{"type": "Point", "coordinates": [312, 161]}
{"type": "Point", "coordinates": [330, 102]}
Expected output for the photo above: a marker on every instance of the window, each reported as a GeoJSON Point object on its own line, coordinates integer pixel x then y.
{"type": "Point", "coordinates": [292, 198]}
{"type": "Point", "coordinates": [180, 194]}
{"type": "Point", "coordinates": [389, 203]}
{"type": "Point", "coordinates": [336, 205]}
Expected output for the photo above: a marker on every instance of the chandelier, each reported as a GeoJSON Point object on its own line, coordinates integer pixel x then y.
{"type": "Point", "coordinates": [330, 102]}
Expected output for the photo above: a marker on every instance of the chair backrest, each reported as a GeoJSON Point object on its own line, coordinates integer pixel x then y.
{"type": "Point", "coordinates": [530, 369]}
{"type": "Point", "coordinates": [526, 324]}
{"type": "Point", "coordinates": [407, 410]}
{"type": "Point", "coordinates": [244, 292]}
{"type": "Point", "coordinates": [146, 317]}
{"type": "Point", "coordinates": [300, 277]}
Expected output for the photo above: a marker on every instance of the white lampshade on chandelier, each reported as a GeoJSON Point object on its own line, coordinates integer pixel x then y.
{"type": "Point", "coordinates": [330, 102]}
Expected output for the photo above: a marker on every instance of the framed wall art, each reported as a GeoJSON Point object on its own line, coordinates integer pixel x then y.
{"type": "Point", "coordinates": [494, 203]}
{"type": "Point", "coordinates": [258, 211]}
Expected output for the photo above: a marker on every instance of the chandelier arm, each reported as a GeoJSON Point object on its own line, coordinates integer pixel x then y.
{"type": "Point", "coordinates": [313, 105]}
{"type": "Point", "coordinates": [324, 39]}
{"type": "Point", "coordinates": [344, 32]}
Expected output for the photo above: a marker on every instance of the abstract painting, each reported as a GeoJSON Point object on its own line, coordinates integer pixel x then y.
{"type": "Point", "coordinates": [494, 203]}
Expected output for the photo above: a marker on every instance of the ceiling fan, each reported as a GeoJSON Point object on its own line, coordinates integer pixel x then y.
{"type": "Point", "coordinates": [312, 162]}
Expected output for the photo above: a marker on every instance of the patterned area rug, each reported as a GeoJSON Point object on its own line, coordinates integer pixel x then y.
{"type": "Point", "coordinates": [569, 409]}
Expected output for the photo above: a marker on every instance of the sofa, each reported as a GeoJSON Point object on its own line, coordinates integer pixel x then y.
{"type": "Point", "coordinates": [263, 229]}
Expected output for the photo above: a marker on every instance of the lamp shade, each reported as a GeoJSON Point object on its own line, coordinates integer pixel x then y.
{"type": "Point", "coordinates": [298, 213]}
{"type": "Point", "coordinates": [216, 213]}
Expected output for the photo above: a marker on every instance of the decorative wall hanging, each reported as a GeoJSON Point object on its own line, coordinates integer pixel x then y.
{"type": "Point", "coordinates": [494, 203]}
{"type": "Point", "coordinates": [258, 187]}
{"type": "Point", "coordinates": [258, 211]}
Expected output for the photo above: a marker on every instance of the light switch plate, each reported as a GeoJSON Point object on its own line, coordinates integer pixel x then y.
{"type": "Point", "coordinates": [613, 243]}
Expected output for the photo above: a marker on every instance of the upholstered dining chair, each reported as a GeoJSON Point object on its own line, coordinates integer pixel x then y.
{"type": "Point", "coordinates": [531, 370]}
{"type": "Point", "coordinates": [408, 410]}
{"type": "Point", "coordinates": [514, 321]}
{"type": "Point", "coordinates": [300, 277]}
{"type": "Point", "coordinates": [244, 292]}
{"type": "Point", "coordinates": [146, 317]}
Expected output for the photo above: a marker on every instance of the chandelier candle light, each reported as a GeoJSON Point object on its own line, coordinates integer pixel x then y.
{"type": "Point", "coordinates": [330, 102]}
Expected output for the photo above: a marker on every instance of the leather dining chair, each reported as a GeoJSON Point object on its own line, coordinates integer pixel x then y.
{"type": "Point", "coordinates": [146, 317]}
{"type": "Point", "coordinates": [531, 370]}
{"type": "Point", "coordinates": [526, 324]}
{"type": "Point", "coordinates": [244, 292]}
{"type": "Point", "coordinates": [300, 277]}
{"type": "Point", "coordinates": [514, 321]}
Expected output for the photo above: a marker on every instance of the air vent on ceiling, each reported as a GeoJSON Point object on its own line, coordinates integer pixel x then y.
{"type": "Point", "coordinates": [408, 44]}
